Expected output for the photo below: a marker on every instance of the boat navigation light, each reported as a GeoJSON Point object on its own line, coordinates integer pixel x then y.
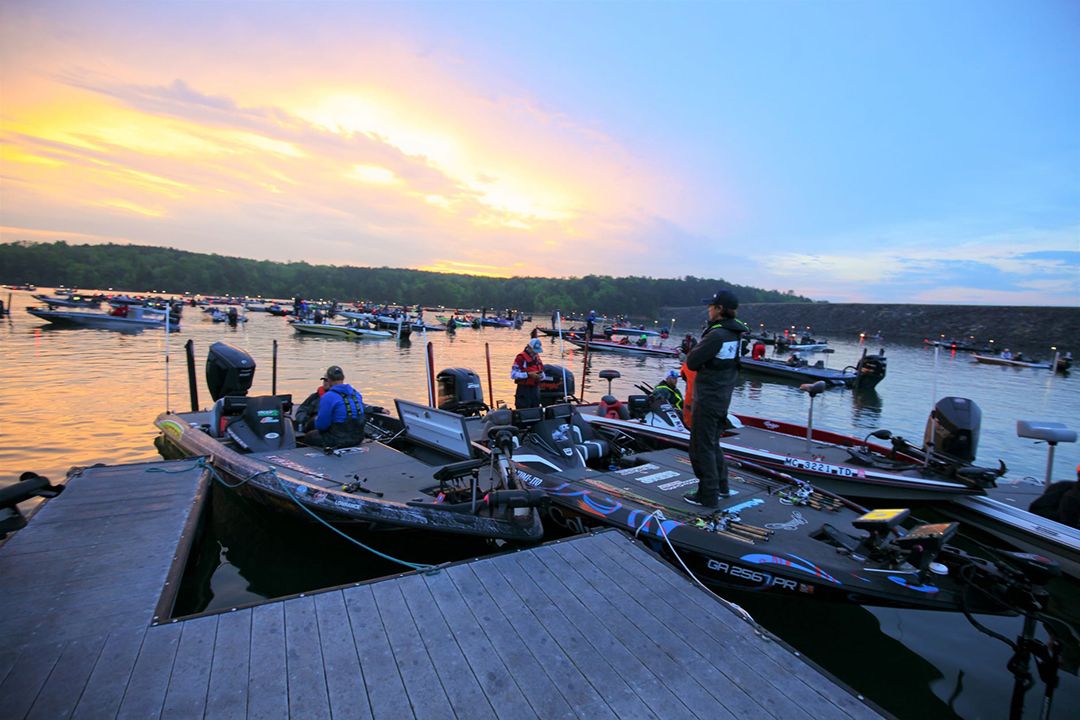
{"type": "Point", "coordinates": [879, 434]}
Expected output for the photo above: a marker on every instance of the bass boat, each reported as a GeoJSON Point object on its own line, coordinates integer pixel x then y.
{"type": "Point", "coordinates": [864, 375]}
{"type": "Point", "coordinates": [624, 348]}
{"type": "Point", "coordinates": [351, 332]}
{"type": "Point", "coordinates": [774, 534]}
{"type": "Point", "coordinates": [137, 318]}
{"type": "Point", "coordinates": [419, 469]}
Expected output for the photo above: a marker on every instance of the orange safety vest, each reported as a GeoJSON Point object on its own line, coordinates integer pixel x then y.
{"type": "Point", "coordinates": [688, 398]}
{"type": "Point", "coordinates": [529, 365]}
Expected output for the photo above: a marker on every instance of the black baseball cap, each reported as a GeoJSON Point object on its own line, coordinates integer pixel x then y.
{"type": "Point", "coordinates": [334, 373]}
{"type": "Point", "coordinates": [723, 298]}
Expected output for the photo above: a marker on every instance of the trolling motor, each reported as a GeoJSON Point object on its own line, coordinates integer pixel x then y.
{"type": "Point", "coordinates": [1018, 583]}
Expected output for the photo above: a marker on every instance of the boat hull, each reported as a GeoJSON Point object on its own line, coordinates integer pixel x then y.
{"type": "Point", "coordinates": [631, 349]}
{"type": "Point", "coordinates": [98, 320]}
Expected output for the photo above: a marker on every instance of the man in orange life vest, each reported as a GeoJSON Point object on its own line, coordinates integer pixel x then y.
{"type": "Point", "coordinates": [527, 372]}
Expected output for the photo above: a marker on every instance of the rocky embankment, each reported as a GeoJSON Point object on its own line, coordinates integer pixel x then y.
{"type": "Point", "coordinates": [1032, 330]}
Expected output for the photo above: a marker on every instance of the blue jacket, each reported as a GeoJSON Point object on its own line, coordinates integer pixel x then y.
{"type": "Point", "coordinates": [333, 408]}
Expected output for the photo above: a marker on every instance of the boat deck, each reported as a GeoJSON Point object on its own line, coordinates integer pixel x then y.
{"type": "Point", "coordinates": [590, 627]}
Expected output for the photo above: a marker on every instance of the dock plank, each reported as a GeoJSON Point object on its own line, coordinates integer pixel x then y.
{"type": "Point", "coordinates": [268, 687]}
{"type": "Point", "coordinates": [344, 678]}
{"type": "Point", "coordinates": [422, 683]}
{"type": "Point", "coordinates": [145, 694]}
{"type": "Point", "coordinates": [26, 679]}
{"type": "Point", "coordinates": [573, 682]}
{"type": "Point", "coordinates": [308, 697]}
{"type": "Point", "coordinates": [190, 677]}
{"type": "Point", "coordinates": [226, 698]}
{"type": "Point", "coordinates": [110, 676]}
{"type": "Point", "coordinates": [543, 695]}
{"type": "Point", "coordinates": [505, 696]}
{"type": "Point", "coordinates": [467, 697]}
{"type": "Point", "coordinates": [799, 681]}
{"type": "Point", "coordinates": [68, 679]}
{"type": "Point", "coordinates": [382, 679]}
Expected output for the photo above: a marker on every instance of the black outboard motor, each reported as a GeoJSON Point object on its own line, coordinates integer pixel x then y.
{"type": "Point", "coordinates": [459, 391]}
{"type": "Point", "coordinates": [953, 428]}
{"type": "Point", "coordinates": [554, 391]}
{"type": "Point", "coordinates": [870, 370]}
{"type": "Point", "coordinates": [229, 370]}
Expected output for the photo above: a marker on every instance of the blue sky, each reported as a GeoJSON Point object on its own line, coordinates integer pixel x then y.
{"type": "Point", "coordinates": [851, 152]}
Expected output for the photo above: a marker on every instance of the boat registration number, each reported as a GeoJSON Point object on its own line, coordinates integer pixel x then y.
{"type": "Point", "coordinates": [819, 467]}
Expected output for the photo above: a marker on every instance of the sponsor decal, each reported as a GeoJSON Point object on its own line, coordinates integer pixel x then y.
{"type": "Point", "coordinates": [266, 413]}
{"type": "Point", "coordinates": [640, 468]}
{"type": "Point", "coordinates": [818, 467]}
{"type": "Point", "coordinates": [650, 479]}
{"type": "Point", "coordinates": [796, 520]}
{"type": "Point", "coordinates": [798, 564]}
{"type": "Point", "coordinates": [272, 436]}
{"type": "Point", "coordinates": [754, 502]}
{"type": "Point", "coordinates": [771, 425]}
{"type": "Point", "coordinates": [268, 421]}
{"type": "Point", "coordinates": [904, 582]}
{"type": "Point", "coordinates": [678, 484]}
{"type": "Point", "coordinates": [529, 479]}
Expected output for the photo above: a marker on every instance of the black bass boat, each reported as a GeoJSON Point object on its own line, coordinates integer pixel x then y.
{"type": "Point", "coordinates": [864, 375]}
{"type": "Point", "coordinates": [773, 535]}
{"type": "Point", "coordinates": [848, 466]}
{"type": "Point", "coordinates": [417, 470]}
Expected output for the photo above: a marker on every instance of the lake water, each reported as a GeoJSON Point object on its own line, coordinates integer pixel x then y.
{"type": "Point", "coordinates": [76, 397]}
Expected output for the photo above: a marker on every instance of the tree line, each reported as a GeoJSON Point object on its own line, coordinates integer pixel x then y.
{"type": "Point", "coordinates": [138, 268]}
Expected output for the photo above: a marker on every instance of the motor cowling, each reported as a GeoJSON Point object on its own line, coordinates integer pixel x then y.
{"type": "Point", "coordinates": [953, 428]}
{"type": "Point", "coordinates": [229, 370]}
{"type": "Point", "coordinates": [459, 391]}
{"type": "Point", "coordinates": [558, 385]}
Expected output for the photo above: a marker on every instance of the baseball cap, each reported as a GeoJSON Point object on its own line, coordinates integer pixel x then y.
{"type": "Point", "coordinates": [672, 374]}
{"type": "Point", "coordinates": [334, 373]}
{"type": "Point", "coordinates": [536, 345]}
{"type": "Point", "coordinates": [723, 298]}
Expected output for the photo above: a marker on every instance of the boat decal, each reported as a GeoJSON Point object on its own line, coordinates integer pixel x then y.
{"type": "Point", "coordinates": [641, 522]}
{"type": "Point", "coordinates": [650, 479]}
{"type": "Point", "coordinates": [637, 469]}
{"type": "Point", "coordinates": [678, 484]}
{"type": "Point", "coordinates": [819, 467]}
{"type": "Point", "coordinates": [760, 578]}
{"type": "Point", "coordinates": [802, 565]}
{"type": "Point", "coordinates": [753, 502]}
{"type": "Point", "coordinates": [590, 505]}
{"type": "Point", "coordinates": [796, 520]}
{"type": "Point", "coordinates": [904, 582]}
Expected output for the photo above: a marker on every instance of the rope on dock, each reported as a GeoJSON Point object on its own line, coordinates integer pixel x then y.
{"type": "Point", "coordinates": [659, 515]}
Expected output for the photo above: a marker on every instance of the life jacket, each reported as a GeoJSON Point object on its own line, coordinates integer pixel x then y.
{"type": "Point", "coordinates": [351, 430]}
{"type": "Point", "coordinates": [759, 350]}
{"type": "Point", "coordinates": [668, 394]}
{"type": "Point", "coordinates": [529, 365]}
{"type": "Point", "coordinates": [688, 399]}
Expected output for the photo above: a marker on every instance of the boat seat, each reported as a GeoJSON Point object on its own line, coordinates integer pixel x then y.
{"type": "Point", "coordinates": [225, 411]}
{"type": "Point", "coordinates": [588, 444]}
{"type": "Point", "coordinates": [1051, 432]}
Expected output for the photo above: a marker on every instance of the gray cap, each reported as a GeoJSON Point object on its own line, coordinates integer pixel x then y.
{"type": "Point", "coordinates": [334, 373]}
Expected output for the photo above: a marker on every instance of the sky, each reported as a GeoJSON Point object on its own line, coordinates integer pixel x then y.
{"type": "Point", "coordinates": [911, 152]}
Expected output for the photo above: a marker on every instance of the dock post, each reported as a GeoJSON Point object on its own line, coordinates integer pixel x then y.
{"type": "Point", "coordinates": [193, 390]}
{"type": "Point", "coordinates": [273, 376]}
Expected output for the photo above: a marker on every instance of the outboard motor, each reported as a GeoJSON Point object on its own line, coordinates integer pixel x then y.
{"type": "Point", "coordinates": [459, 391]}
{"type": "Point", "coordinates": [553, 391]}
{"type": "Point", "coordinates": [870, 370]}
{"type": "Point", "coordinates": [229, 370]}
{"type": "Point", "coordinates": [953, 428]}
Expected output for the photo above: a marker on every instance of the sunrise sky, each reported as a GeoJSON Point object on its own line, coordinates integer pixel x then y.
{"type": "Point", "coordinates": [849, 151]}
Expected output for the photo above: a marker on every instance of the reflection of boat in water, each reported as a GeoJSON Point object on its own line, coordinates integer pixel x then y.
{"type": "Point", "coordinates": [624, 348]}
{"type": "Point", "coordinates": [341, 331]}
{"type": "Point", "coordinates": [420, 473]}
{"type": "Point", "coordinates": [137, 318]}
{"type": "Point", "coordinates": [865, 374]}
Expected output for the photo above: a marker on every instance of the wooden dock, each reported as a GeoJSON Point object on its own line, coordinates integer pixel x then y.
{"type": "Point", "coordinates": [591, 627]}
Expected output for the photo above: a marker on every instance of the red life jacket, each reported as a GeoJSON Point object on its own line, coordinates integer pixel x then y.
{"type": "Point", "coordinates": [529, 365]}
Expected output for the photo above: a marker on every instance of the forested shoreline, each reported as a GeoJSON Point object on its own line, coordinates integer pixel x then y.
{"type": "Point", "coordinates": [147, 268]}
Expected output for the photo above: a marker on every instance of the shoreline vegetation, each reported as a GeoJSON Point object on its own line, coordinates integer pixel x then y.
{"type": "Point", "coordinates": [172, 271]}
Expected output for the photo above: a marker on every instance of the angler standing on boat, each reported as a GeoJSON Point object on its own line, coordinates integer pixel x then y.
{"type": "Point", "coordinates": [667, 391]}
{"type": "Point", "coordinates": [715, 359]}
{"type": "Point", "coordinates": [527, 372]}
{"type": "Point", "coordinates": [340, 422]}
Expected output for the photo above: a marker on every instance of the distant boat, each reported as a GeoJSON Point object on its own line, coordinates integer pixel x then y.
{"type": "Point", "coordinates": [138, 318]}
{"type": "Point", "coordinates": [998, 360]}
{"type": "Point", "coordinates": [72, 301]}
{"type": "Point", "coordinates": [341, 331]}
{"type": "Point", "coordinates": [625, 348]}
{"type": "Point", "coordinates": [869, 371]}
